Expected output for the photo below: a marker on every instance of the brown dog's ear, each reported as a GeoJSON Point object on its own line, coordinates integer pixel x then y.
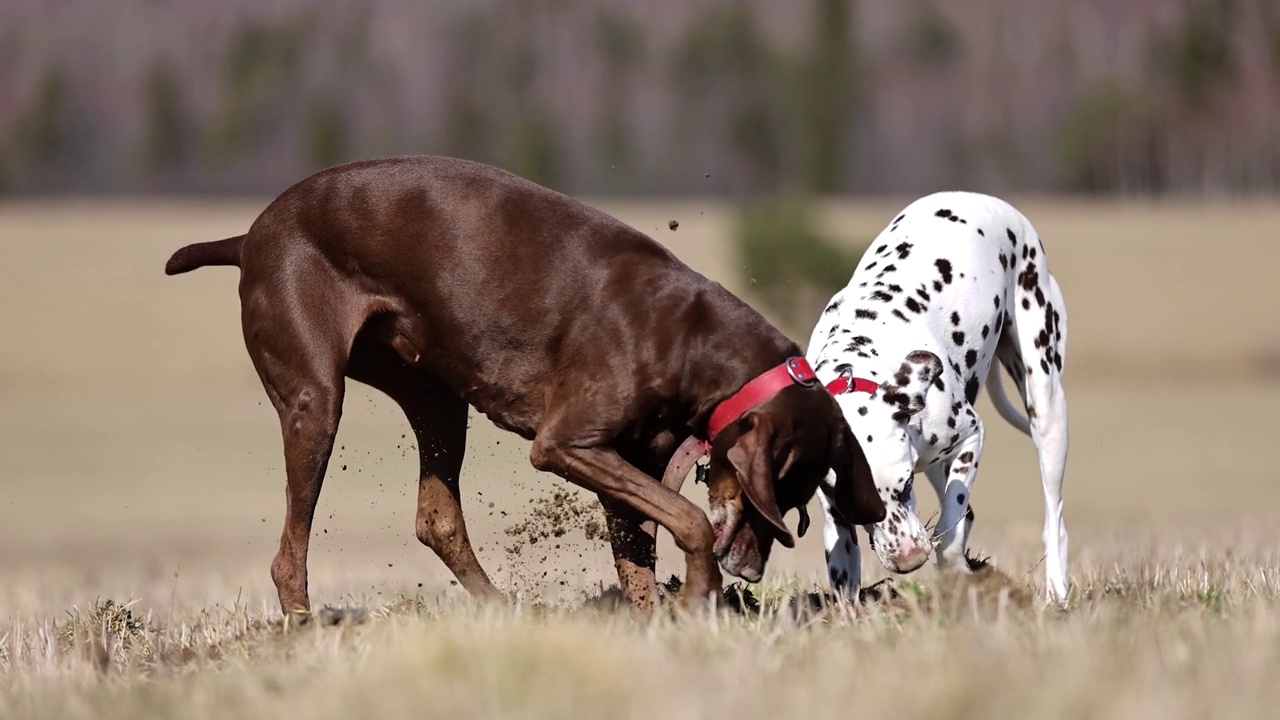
{"type": "Point", "coordinates": [752, 458]}
{"type": "Point", "coordinates": [855, 496]}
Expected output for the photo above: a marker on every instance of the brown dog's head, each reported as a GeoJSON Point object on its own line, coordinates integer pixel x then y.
{"type": "Point", "coordinates": [772, 460]}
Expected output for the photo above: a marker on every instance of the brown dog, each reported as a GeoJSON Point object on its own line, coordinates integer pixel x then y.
{"type": "Point", "coordinates": [444, 282]}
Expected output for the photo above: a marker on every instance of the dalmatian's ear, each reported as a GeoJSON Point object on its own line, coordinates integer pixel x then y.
{"type": "Point", "coordinates": [906, 391]}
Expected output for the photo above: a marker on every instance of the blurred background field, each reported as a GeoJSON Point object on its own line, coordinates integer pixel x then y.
{"type": "Point", "coordinates": [137, 438]}
{"type": "Point", "coordinates": [139, 457]}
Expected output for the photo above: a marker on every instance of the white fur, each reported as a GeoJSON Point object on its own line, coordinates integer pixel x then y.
{"type": "Point", "coordinates": [951, 266]}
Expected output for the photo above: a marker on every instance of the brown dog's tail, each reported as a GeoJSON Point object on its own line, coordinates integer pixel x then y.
{"type": "Point", "coordinates": [218, 252]}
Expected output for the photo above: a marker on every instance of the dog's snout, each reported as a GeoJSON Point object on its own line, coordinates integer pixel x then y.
{"type": "Point", "coordinates": [911, 558]}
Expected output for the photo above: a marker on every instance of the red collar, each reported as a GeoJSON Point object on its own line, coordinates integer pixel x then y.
{"type": "Point", "coordinates": [846, 382]}
{"type": "Point", "coordinates": [762, 387]}
{"type": "Point", "coordinates": [794, 370]}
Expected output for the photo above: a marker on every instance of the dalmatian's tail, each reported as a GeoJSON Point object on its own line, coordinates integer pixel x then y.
{"type": "Point", "coordinates": [995, 390]}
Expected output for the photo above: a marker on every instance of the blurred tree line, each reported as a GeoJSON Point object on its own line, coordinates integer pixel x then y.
{"type": "Point", "coordinates": [740, 97]}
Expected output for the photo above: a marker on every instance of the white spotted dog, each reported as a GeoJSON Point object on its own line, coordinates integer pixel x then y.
{"type": "Point", "coordinates": [955, 281]}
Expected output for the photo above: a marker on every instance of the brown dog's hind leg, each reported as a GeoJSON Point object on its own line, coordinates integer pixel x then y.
{"type": "Point", "coordinates": [438, 417]}
{"type": "Point", "coordinates": [300, 361]}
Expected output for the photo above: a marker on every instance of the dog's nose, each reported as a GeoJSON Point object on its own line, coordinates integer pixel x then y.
{"type": "Point", "coordinates": [911, 558]}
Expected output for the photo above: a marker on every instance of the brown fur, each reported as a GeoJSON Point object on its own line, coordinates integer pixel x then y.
{"type": "Point", "coordinates": [447, 283]}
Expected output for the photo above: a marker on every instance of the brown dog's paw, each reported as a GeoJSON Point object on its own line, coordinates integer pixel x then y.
{"type": "Point", "coordinates": [329, 616]}
{"type": "Point", "coordinates": [739, 598]}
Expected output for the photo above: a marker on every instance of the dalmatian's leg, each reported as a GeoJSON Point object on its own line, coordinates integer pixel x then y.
{"type": "Point", "coordinates": [953, 481]}
{"type": "Point", "coordinates": [844, 558]}
{"type": "Point", "coordinates": [1039, 320]}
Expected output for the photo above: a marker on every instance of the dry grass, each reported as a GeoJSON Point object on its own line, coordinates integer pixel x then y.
{"type": "Point", "coordinates": [142, 498]}
{"type": "Point", "coordinates": [1159, 638]}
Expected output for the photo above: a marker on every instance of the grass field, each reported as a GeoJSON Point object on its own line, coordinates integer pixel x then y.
{"type": "Point", "coordinates": [140, 462]}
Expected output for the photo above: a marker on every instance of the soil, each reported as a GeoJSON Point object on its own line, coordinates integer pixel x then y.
{"type": "Point", "coordinates": [558, 524]}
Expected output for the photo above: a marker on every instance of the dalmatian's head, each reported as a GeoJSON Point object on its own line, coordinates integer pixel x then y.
{"type": "Point", "coordinates": [881, 422]}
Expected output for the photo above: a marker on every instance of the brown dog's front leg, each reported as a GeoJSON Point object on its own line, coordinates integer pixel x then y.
{"type": "Point", "coordinates": [601, 470]}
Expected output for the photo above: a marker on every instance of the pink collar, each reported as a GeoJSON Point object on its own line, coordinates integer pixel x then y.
{"type": "Point", "coordinates": [762, 387]}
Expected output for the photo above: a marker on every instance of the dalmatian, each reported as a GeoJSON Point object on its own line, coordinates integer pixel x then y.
{"type": "Point", "coordinates": [957, 281]}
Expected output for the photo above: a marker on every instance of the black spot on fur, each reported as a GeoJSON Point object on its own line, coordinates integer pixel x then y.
{"type": "Point", "coordinates": [957, 337]}
{"type": "Point", "coordinates": [835, 305]}
{"type": "Point", "coordinates": [971, 390]}
{"type": "Point", "coordinates": [881, 296]}
{"type": "Point", "coordinates": [895, 289]}
{"type": "Point", "coordinates": [1004, 261]}
{"type": "Point", "coordinates": [944, 267]}
{"type": "Point", "coordinates": [1044, 366]}
{"type": "Point", "coordinates": [951, 422]}
{"type": "Point", "coordinates": [937, 286]}
{"type": "Point", "coordinates": [887, 269]}
{"type": "Point", "coordinates": [865, 314]}
{"type": "Point", "coordinates": [898, 314]}
{"type": "Point", "coordinates": [943, 213]}
{"type": "Point", "coordinates": [933, 439]}
{"type": "Point", "coordinates": [862, 409]}
{"type": "Point", "coordinates": [997, 301]}
{"type": "Point", "coordinates": [904, 250]}
{"type": "Point", "coordinates": [872, 264]}
{"type": "Point", "coordinates": [1026, 303]}
{"type": "Point", "coordinates": [981, 233]}
{"type": "Point", "coordinates": [902, 495]}
{"type": "Point", "coordinates": [922, 293]}
{"type": "Point", "coordinates": [955, 318]}
{"type": "Point", "coordinates": [1012, 238]}
{"type": "Point", "coordinates": [971, 359]}
{"type": "Point", "coordinates": [1029, 277]}
{"type": "Point", "coordinates": [960, 498]}
{"type": "Point", "coordinates": [903, 376]}
{"type": "Point", "coordinates": [914, 306]}
{"type": "Point", "coordinates": [868, 438]}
